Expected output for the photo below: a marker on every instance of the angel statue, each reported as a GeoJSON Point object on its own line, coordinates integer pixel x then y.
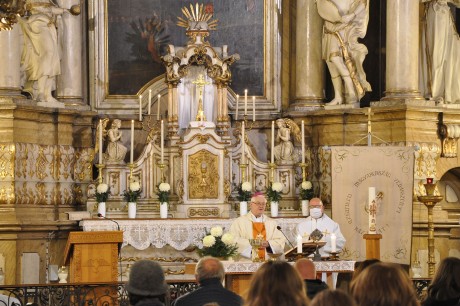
{"type": "Point", "coordinates": [116, 151]}
{"type": "Point", "coordinates": [105, 121]}
{"type": "Point", "coordinates": [284, 151]}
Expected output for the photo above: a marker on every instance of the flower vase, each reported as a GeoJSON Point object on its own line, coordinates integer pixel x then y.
{"type": "Point", "coordinates": [101, 209]}
{"type": "Point", "coordinates": [304, 206]}
{"type": "Point", "coordinates": [63, 272]}
{"type": "Point", "coordinates": [243, 208]}
{"type": "Point", "coordinates": [274, 207]}
{"type": "Point", "coordinates": [164, 210]}
{"type": "Point", "coordinates": [132, 210]}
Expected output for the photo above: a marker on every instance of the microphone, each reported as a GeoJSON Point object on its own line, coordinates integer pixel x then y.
{"type": "Point", "coordinates": [279, 228]}
{"type": "Point", "coordinates": [100, 216]}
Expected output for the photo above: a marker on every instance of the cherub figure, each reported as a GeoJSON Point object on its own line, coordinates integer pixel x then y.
{"type": "Point", "coordinates": [284, 151]}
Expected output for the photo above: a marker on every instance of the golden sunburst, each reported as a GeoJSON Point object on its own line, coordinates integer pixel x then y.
{"type": "Point", "coordinates": [196, 14]}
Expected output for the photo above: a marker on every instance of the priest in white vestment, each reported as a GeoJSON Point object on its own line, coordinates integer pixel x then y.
{"type": "Point", "coordinates": [319, 220]}
{"type": "Point", "coordinates": [256, 225]}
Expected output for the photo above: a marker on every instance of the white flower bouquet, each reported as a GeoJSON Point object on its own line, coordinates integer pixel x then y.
{"type": "Point", "coordinates": [218, 244]}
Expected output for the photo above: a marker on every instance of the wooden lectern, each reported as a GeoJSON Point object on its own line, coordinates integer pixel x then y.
{"type": "Point", "coordinates": [93, 256]}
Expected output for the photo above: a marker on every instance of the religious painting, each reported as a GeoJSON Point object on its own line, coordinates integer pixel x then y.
{"type": "Point", "coordinates": [140, 31]}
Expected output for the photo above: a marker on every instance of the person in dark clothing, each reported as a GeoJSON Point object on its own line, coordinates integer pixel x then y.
{"type": "Point", "coordinates": [147, 285]}
{"type": "Point", "coordinates": [444, 290]}
{"type": "Point", "coordinates": [307, 272]}
{"type": "Point", "coordinates": [209, 274]}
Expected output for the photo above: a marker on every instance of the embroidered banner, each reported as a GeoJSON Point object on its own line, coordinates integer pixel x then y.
{"type": "Point", "coordinates": [390, 171]}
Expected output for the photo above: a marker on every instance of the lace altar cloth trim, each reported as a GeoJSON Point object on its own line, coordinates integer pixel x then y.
{"type": "Point", "coordinates": [241, 267]}
{"type": "Point", "coordinates": [179, 233]}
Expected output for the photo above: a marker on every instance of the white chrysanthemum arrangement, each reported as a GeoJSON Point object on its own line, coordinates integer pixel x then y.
{"type": "Point", "coordinates": [102, 192]}
{"type": "Point", "coordinates": [163, 193]}
{"type": "Point", "coordinates": [244, 192]}
{"type": "Point", "coordinates": [306, 190]}
{"type": "Point", "coordinates": [133, 193]}
{"type": "Point", "coordinates": [218, 244]}
{"type": "Point", "coordinates": [274, 192]}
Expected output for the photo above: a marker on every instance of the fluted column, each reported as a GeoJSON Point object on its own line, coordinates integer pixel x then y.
{"type": "Point", "coordinates": [10, 58]}
{"type": "Point", "coordinates": [70, 81]}
{"type": "Point", "coordinates": [309, 66]}
{"type": "Point", "coordinates": [402, 47]}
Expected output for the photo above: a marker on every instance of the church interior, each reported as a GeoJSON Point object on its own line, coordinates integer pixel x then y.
{"type": "Point", "coordinates": [208, 96]}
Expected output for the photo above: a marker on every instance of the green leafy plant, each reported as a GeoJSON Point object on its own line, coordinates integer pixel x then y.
{"type": "Point", "coordinates": [218, 244]}
{"type": "Point", "coordinates": [274, 192]}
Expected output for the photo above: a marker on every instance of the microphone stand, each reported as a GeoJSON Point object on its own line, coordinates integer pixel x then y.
{"type": "Point", "coordinates": [100, 216]}
{"type": "Point", "coordinates": [279, 228]}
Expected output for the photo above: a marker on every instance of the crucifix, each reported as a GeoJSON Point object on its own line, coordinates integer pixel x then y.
{"type": "Point", "coordinates": [372, 216]}
{"type": "Point", "coordinates": [200, 83]}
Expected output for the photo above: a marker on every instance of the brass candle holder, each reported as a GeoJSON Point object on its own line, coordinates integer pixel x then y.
{"type": "Point", "coordinates": [131, 169]}
{"type": "Point", "coordinates": [272, 172]}
{"type": "Point", "coordinates": [99, 176]}
{"type": "Point", "coordinates": [162, 174]}
{"type": "Point", "coordinates": [430, 200]}
{"type": "Point", "coordinates": [304, 171]}
{"type": "Point", "coordinates": [243, 172]}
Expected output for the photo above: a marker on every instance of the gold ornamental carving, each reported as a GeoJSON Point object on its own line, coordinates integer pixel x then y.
{"type": "Point", "coordinates": [7, 153]}
{"type": "Point", "coordinates": [203, 175]}
{"type": "Point", "coordinates": [201, 212]}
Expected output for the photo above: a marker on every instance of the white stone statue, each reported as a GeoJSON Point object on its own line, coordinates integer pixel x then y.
{"type": "Point", "coordinates": [344, 22]}
{"type": "Point", "coordinates": [40, 60]}
{"type": "Point", "coordinates": [284, 151]}
{"type": "Point", "coordinates": [441, 45]}
{"type": "Point", "coordinates": [116, 151]}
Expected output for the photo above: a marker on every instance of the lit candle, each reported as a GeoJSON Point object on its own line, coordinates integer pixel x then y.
{"type": "Point", "coordinates": [243, 143]}
{"type": "Point", "coordinates": [162, 136]}
{"type": "Point", "coordinates": [140, 108]}
{"type": "Point", "coordinates": [429, 180]}
{"type": "Point", "coordinates": [372, 210]}
{"type": "Point", "coordinates": [150, 101]}
{"type": "Point", "coordinates": [236, 112]}
{"type": "Point", "coordinates": [272, 159]}
{"type": "Point", "coordinates": [100, 141]}
{"type": "Point", "coordinates": [245, 102]}
{"type": "Point", "coordinates": [159, 105]}
{"type": "Point", "coordinates": [131, 157]}
{"type": "Point", "coordinates": [303, 142]}
{"type": "Point", "coordinates": [333, 243]}
{"type": "Point", "coordinates": [299, 244]}
{"type": "Point", "coordinates": [253, 108]}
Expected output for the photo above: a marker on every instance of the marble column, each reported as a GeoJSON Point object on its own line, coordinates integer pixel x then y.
{"type": "Point", "coordinates": [70, 82]}
{"type": "Point", "coordinates": [309, 65]}
{"type": "Point", "coordinates": [10, 60]}
{"type": "Point", "coordinates": [402, 47]}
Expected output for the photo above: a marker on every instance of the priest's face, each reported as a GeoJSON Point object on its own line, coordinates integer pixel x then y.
{"type": "Point", "coordinates": [258, 204]}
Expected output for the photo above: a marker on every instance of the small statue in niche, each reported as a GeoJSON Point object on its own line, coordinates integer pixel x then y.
{"type": "Point", "coordinates": [116, 151]}
{"type": "Point", "coordinates": [284, 151]}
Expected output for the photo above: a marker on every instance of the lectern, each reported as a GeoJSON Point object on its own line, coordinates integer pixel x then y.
{"type": "Point", "coordinates": [93, 256]}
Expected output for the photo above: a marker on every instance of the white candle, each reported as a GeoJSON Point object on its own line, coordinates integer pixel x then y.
{"type": "Point", "coordinates": [272, 159]}
{"type": "Point", "coordinates": [150, 101]}
{"type": "Point", "coordinates": [159, 105]}
{"type": "Point", "coordinates": [371, 209]}
{"type": "Point", "coordinates": [140, 108]}
{"type": "Point", "coordinates": [333, 243]}
{"type": "Point", "coordinates": [242, 143]}
{"type": "Point", "coordinates": [253, 108]}
{"type": "Point", "coordinates": [245, 102]}
{"type": "Point", "coordinates": [131, 157]}
{"type": "Point", "coordinates": [162, 137]}
{"type": "Point", "coordinates": [303, 142]}
{"type": "Point", "coordinates": [236, 112]}
{"type": "Point", "coordinates": [100, 142]}
{"type": "Point", "coordinates": [299, 244]}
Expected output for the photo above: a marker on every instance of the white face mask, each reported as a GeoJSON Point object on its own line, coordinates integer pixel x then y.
{"type": "Point", "coordinates": [315, 213]}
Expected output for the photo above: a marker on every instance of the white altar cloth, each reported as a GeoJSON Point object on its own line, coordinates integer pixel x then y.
{"type": "Point", "coordinates": [178, 233]}
{"type": "Point", "coordinates": [244, 267]}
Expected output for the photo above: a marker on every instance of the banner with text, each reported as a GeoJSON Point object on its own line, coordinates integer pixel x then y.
{"type": "Point", "coordinates": [390, 171]}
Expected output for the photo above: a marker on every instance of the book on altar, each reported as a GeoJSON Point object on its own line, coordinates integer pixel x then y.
{"type": "Point", "coordinates": [308, 248]}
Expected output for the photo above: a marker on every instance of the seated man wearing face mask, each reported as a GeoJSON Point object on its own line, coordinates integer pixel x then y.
{"type": "Point", "coordinates": [319, 220]}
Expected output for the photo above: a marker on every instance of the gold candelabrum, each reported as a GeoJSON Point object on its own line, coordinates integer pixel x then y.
{"type": "Point", "coordinates": [162, 173]}
{"type": "Point", "coordinates": [304, 171]}
{"type": "Point", "coordinates": [99, 168]}
{"type": "Point", "coordinates": [272, 172]}
{"type": "Point", "coordinates": [131, 169]}
{"type": "Point", "coordinates": [243, 171]}
{"type": "Point", "coordinates": [430, 201]}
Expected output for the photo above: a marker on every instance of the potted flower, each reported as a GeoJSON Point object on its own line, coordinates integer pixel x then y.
{"type": "Point", "coordinates": [306, 194]}
{"type": "Point", "coordinates": [274, 195]}
{"type": "Point", "coordinates": [218, 244]}
{"type": "Point", "coordinates": [102, 194]}
{"type": "Point", "coordinates": [131, 195]}
{"type": "Point", "coordinates": [244, 195]}
{"type": "Point", "coordinates": [163, 195]}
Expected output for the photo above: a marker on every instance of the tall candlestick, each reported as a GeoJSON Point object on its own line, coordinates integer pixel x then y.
{"type": "Point", "coordinates": [159, 105]}
{"type": "Point", "coordinates": [299, 244]}
{"type": "Point", "coordinates": [242, 143]}
{"type": "Point", "coordinates": [303, 142]}
{"type": "Point", "coordinates": [372, 210]}
{"type": "Point", "coordinates": [236, 112]}
{"type": "Point", "coordinates": [140, 108]}
{"type": "Point", "coordinates": [100, 141]}
{"type": "Point", "coordinates": [162, 137]}
{"type": "Point", "coordinates": [245, 102]}
{"type": "Point", "coordinates": [131, 157]}
{"type": "Point", "coordinates": [253, 108]}
{"type": "Point", "coordinates": [333, 243]}
{"type": "Point", "coordinates": [150, 101]}
{"type": "Point", "coordinates": [272, 159]}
